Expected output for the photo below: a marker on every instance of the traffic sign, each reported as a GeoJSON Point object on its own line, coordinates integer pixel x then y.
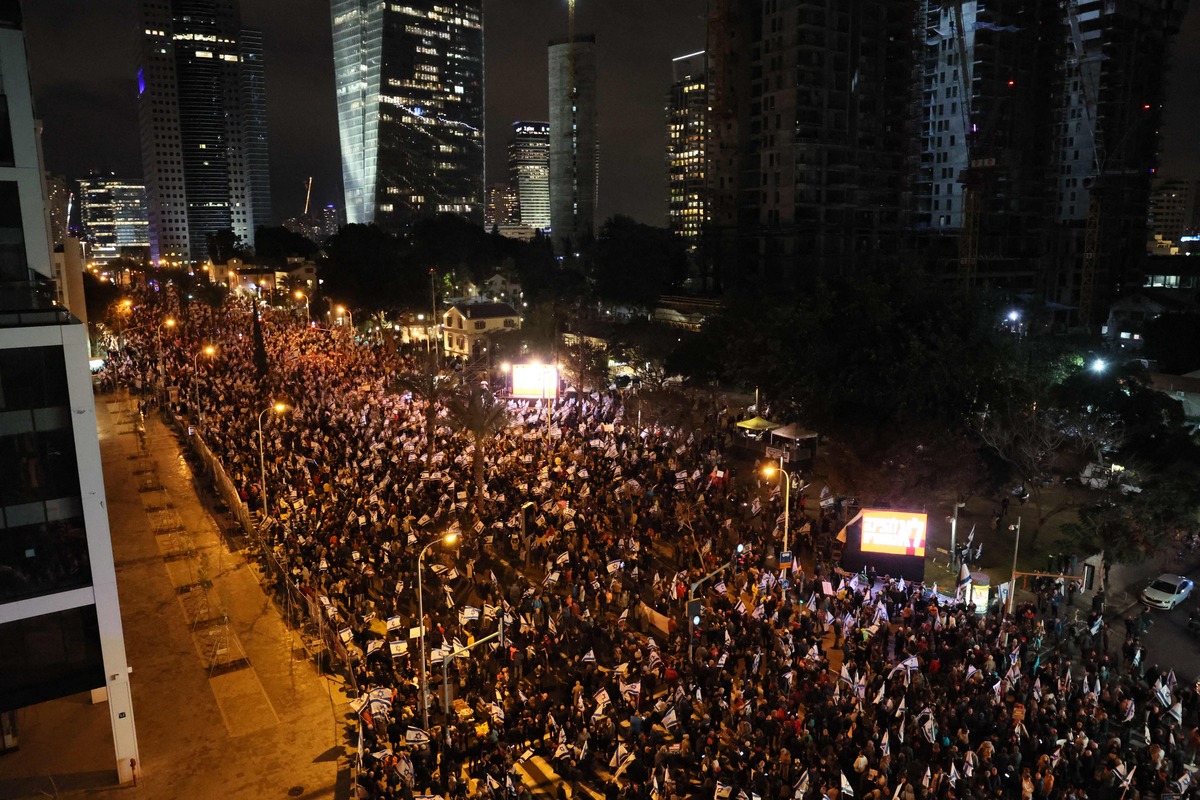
{"type": "Point", "coordinates": [779, 452]}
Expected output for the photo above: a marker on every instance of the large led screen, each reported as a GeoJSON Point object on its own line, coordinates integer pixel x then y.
{"type": "Point", "coordinates": [534, 381]}
{"type": "Point", "coordinates": [899, 533]}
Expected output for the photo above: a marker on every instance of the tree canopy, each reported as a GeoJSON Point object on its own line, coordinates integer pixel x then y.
{"type": "Point", "coordinates": [637, 263]}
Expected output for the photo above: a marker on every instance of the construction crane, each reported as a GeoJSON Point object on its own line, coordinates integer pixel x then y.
{"type": "Point", "coordinates": [307, 194]}
{"type": "Point", "coordinates": [971, 180]}
{"type": "Point", "coordinates": [1091, 237]}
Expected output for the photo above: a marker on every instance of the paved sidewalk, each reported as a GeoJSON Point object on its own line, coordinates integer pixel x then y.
{"type": "Point", "coordinates": [226, 703]}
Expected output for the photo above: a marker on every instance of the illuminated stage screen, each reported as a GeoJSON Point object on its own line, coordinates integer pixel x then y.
{"type": "Point", "coordinates": [899, 533]}
{"type": "Point", "coordinates": [534, 381]}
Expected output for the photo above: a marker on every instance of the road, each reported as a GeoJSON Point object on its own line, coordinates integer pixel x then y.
{"type": "Point", "coordinates": [1168, 643]}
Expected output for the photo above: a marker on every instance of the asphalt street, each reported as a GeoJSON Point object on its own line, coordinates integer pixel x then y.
{"type": "Point", "coordinates": [1168, 642]}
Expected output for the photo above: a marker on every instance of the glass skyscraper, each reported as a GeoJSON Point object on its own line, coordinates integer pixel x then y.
{"type": "Point", "coordinates": [687, 133]}
{"type": "Point", "coordinates": [113, 213]}
{"type": "Point", "coordinates": [410, 109]}
{"type": "Point", "coordinates": [200, 109]}
{"type": "Point", "coordinates": [529, 173]}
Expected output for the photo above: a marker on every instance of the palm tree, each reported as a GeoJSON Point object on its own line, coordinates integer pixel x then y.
{"type": "Point", "coordinates": [476, 411]}
{"type": "Point", "coordinates": [425, 384]}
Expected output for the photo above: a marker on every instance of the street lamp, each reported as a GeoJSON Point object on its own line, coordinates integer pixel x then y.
{"type": "Point", "coordinates": [449, 538]}
{"type": "Point", "coordinates": [343, 311]}
{"type": "Point", "coordinates": [278, 408]}
{"type": "Point", "coordinates": [307, 303]}
{"type": "Point", "coordinates": [1012, 583]}
{"type": "Point", "coordinates": [524, 540]}
{"type": "Point", "coordinates": [209, 351]}
{"type": "Point", "coordinates": [169, 322]}
{"type": "Point", "coordinates": [693, 611]}
{"type": "Point", "coordinates": [785, 478]}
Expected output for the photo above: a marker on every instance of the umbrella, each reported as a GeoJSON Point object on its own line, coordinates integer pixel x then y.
{"type": "Point", "coordinates": [758, 424]}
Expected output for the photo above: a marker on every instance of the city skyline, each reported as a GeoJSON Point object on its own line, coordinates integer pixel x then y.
{"type": "Point", "coordinates": [95, 91]}
{"type": "Point", "coordinates": [83, 79]}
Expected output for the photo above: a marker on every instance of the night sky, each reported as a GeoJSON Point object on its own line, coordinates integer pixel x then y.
{"type": "Point", "coordinates": [82, 58]}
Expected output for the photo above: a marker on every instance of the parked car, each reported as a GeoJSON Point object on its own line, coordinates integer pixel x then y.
{"type": "Point", "coordinates": [1167, 591]}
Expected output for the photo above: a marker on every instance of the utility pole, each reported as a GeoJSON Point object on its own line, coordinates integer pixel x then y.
{"type": "Point", "coordinates": [1012, 586]}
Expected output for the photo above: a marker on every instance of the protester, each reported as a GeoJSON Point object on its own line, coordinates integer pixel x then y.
{"type": "Point", "coordinates": [798, 685]}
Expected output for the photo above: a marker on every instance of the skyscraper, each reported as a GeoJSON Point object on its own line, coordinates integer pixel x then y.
{"type": "Point", "coordinates": [60, 621]}
{"type": "Point", "coordinates": [113, 213]}
{"type": "Point", "coordinates": [529, 172]}
{"type": "Point", "coordinates": [812, 104]}
{"type": "Point", "coordinates": [200, 109]}
{"type": "Point", "coordinates": [1174, 213]}
{"type": "Point", "coordinates": [986, 123]}
{"type": "Point", "coordinates": [574, 150]}
{"type": "Point", "coordinates": [501, 206]}
{"type": "Point", "coordinates": [409, 81]}
{"type": "Point", "coordinates": [254, 110]}
{"type": "Point", "coordinates": [687, 134]}
{"type": "Point", "coordinates": [1039, 137]}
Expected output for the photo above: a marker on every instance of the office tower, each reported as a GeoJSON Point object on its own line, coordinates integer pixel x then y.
{"type": "Point", "coordinates": [60, 622]}
{"type": "Point", "coordinates": [329, 222]}
{"type": "Point", "coordinates": [529, 173]}
{"type": "Point", "coordinates": [113, 216]}
{"type": "Point", "coordinates": [574, 151]}
{"type": "Point", "coordinates": [1173, 213]}
{"type": "Point", "coordinates": [687, 136]}
{"type": "Point", "coordinates": [200, 113]}
{"type": "Point", "coordinates": [409, 81]}
{"type": "Point", "coordinates": [501, 206]}
{"type": "Point", "coordinates": [811, 125]}
{"type": "Point", "coordinates": [58, 198]}
{"type": "Point", "coordinates": [254, 110]}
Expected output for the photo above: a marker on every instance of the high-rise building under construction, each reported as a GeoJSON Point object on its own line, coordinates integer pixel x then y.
{"type": "Point", "coordinates": [1007, 143]}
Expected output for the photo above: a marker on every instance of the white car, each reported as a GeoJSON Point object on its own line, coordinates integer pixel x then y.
{"type": "Point", "coordinates": [1167, 591]}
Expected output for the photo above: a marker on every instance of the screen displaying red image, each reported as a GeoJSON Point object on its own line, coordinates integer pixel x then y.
{"type": "Point", "coordinates": [897, 532]}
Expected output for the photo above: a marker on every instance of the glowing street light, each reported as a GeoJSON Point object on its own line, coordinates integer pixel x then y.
{"type": "Point", "coordinates": [169, 322]}
{"type": "Point", "coordinates": [449, 538]}
{"type": "Point", "coordinates": [786, 479]}
{"type": "Point", "coordinates": [1099, 365]}
{"type": "Point", "coordinates": [278, 408]}
{"type": "Point", "coordinates": [307, 303]}
{"type": "Point", "coordinates": [209, 351]}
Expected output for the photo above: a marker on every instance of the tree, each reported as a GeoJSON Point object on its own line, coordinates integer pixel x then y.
{"type": "Point", "coordinates": [359, 266]}
{"type": "Point", "coordinates": [474, 410]}
{"type": "Point", "coordinates": [1170, 340]}
{"type": "Point", "coordinates": [586, 365]}
{"type": "Point", "coordinates": [637, 263]}
{"type": "Point", "coordinates": [224, 245]}
{"type": "Point", "coordinates": [427, 385]}
{"type": "Point", "coordinates": [273, 246]}
{"type": "Point", "coordinates": [1028, 439]}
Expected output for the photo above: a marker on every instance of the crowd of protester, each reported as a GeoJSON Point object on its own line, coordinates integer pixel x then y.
{"type": "Point", "coordinates": [799, 683]}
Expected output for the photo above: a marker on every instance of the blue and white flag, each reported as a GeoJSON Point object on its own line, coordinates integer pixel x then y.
{"type": "Point", "coordinates": [847, 789]}
{"type": "Point", "coordinates": [416, 736]}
